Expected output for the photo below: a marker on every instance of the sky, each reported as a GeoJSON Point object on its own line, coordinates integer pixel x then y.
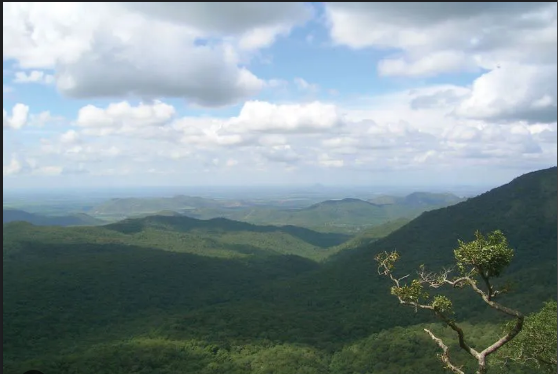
{"type": "Point", "coordinates": [170, 94]}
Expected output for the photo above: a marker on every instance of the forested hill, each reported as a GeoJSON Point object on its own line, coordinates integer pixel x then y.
{"type": "Point", "coordinates": [222, 226]}
{"type": "Point", "coordinates": [524, 209]}
{"type": "Point", "coordinates": [348, 215]}
{"type": "Point", "coordinates": [217, 237]}
{"type": "Point", "coordinates": [119, 299]}
{"type": "Point", "coordinates": [77, 219]}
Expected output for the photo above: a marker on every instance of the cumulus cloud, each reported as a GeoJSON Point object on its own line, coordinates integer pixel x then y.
{"type": "Point", "coordinates": [492, 31]}
{"type": "Point", "coordinates": [13, 167]}
{"type": "Point", "coordinates": [70, 137]}
{"type": "Point", "coordinates": [124, 119]}
{"type": "Point", "coordinates": [21, 117]}
{"type": "Point", "coordinates": [280, 153]}
{"type": "Point", "coordinates": [141, 55]}
{"type": "Point", "coordinates": [515, 45]}
{"type": "Point", "coordinates": [123, 114]}
{"type": "Point", "coordinates": [34, 76]}
{"type": "Point", "coordinates": [390, 132]}
{"type": "Point", "coordinates": [18, 118]}
{"type": "Point", "coordinates": [304, 85]}
{"type": "Point", "coordinates": [148, 50]}
{"type": "Point", "coordinates": [430, 65]}
{"type": "Point", "coordinates": [262, 116]}
{"type": "Point", "coordinates": [513, 92]}
{"type": "Point", "coordinates": [412, 127]}
{"type": "Point", "coordinates": [18, 165]}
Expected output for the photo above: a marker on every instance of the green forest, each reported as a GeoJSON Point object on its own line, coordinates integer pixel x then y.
{"type": "Point", "coordinates": [172, 294]}
{"type": "Point", "coordinates": [349, 215]}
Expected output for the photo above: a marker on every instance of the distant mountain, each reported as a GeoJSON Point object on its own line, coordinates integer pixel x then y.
{"type": "Point", "coordinates": [524, 209]}
{"type": "Point", "coordinates": [360, 213]}
{"type": "Point", "coordinates": [171, 294]}
{"type": "Point", "coordinates": [344, 215]}
{"type": "Point", "coordinates": [419, 199]}
{"type": "Point", "coordinates": [135, 206]}
{"type": "Point", "coordinates": [218, 237]}
{"type": "Point", "coordinates": [348, 215]}
{"type": "Point", "coordinates": [78, 219]}
{"type": "Point", "coordinates": [163, 213]}
{"type": "Point", "coordinates": [368, 236]}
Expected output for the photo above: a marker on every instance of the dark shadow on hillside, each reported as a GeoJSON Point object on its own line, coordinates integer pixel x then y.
{"type": "Point", "coordinates": [129, 226]}
{"type": "Point", "coordinates": [60, 292]}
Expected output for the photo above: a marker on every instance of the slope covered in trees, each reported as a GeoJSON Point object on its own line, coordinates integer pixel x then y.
{"type": "Point", "coordinates": [217, 237]}
{"type": "Point", "coordinates": [110, 300]}
{"type": "Point", "coordinates": [525, 210]}
{"type": "Point", "coordinates": [345, 215]}
{"type": "Point", "coordinates": [77, 219]}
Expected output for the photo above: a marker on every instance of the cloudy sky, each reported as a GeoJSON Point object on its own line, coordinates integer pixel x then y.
{"type": "Point", "coordinates": [162, 93]}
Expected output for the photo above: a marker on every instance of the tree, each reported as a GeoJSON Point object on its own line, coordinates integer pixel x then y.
{"type": "Point", "coordinates": [478, 262]}
{"type": "Point", "coordinates": [536, 346]}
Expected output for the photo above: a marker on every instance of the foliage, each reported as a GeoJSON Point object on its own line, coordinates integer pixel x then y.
{"type": "Point", "coordinates": [215, 238]}
{"type": "Point", "coordinates": [536, 345]}
{"type": "Point", "coordinates": [77, 219]}
{"type": "Point", "coordinates": [177, 295]}
{"type": "Point", "coordinates": [485, 258]}
{"type": "Point", "coordinates": [344, 216]}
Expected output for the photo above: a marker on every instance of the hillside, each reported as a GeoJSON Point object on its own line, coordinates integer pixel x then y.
{"type": "Point", "coordinates": [103, 302]}
{"type": "Point", "coordinates": [367, 237]}
{"type": "Point", "coordinates": [217, 237]}
{"type": "Point", "coordinates": [524, 209]}
{"type": "Point", "coordinates": [78, 219]}
{"type": "Point", "coordinates": [345, 215]}
{"type": "Point", "coordinates": [126, 207]}
{"type": "Point", "coordinates": [418, 199]}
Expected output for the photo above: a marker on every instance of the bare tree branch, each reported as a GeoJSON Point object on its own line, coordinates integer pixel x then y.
{"type": "Point", "coordinates": [445, 353]}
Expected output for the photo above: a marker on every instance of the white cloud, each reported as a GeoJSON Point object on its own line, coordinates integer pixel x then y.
{"type": "Point", "coordinates": [18, 166]}
{"type": "Point", "coordinates": [70, 137]}
{"type": "Point", "coordinates": [14, 167]}
{"type": "Point", "coordinates": [21, 117]}
{"type": "Point", "coordinates": [137, 57]}
{"type": "Point", "coordinates": [259, 116]}
{"type": "Point", "coordinates": [124, 119]}
{"type": "Point", "coordinates": [513, 92]}
{"type": "Point", "coordinates": [492, 32]}
{"type": "Point", "coordinates": [148, 50]}
{"type": "Point", "coordinates": [413, 127]}
{"type": "Point", "coordinates": [303, 85]}
{"type": "Point", "coordinates": [432, 64]}
{"type": "Point", "coordinates": [280, 153]}
{"type": "Point", "coordinates": [34, 76]}
{"type": "Point", "coordinates": [516, 43]}
{"type": "Point", "coordinates": [18, 118]}
{"type": "Point", "coordinates": [384, 133]}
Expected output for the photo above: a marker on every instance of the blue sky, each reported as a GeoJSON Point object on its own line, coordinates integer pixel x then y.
{"type": "Point", "coordinates": [148, 94]}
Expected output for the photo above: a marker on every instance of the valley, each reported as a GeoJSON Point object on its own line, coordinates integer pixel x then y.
{"type": "Point", "coordinates": [175, 294]}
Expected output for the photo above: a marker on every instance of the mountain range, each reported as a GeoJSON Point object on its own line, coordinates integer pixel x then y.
{"type": "Point", "coordinates": [175, 294]}
{"type": "Point", "coordinates": [76, 219]}
{"type": "Point", "coordinates": [347, 215]}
